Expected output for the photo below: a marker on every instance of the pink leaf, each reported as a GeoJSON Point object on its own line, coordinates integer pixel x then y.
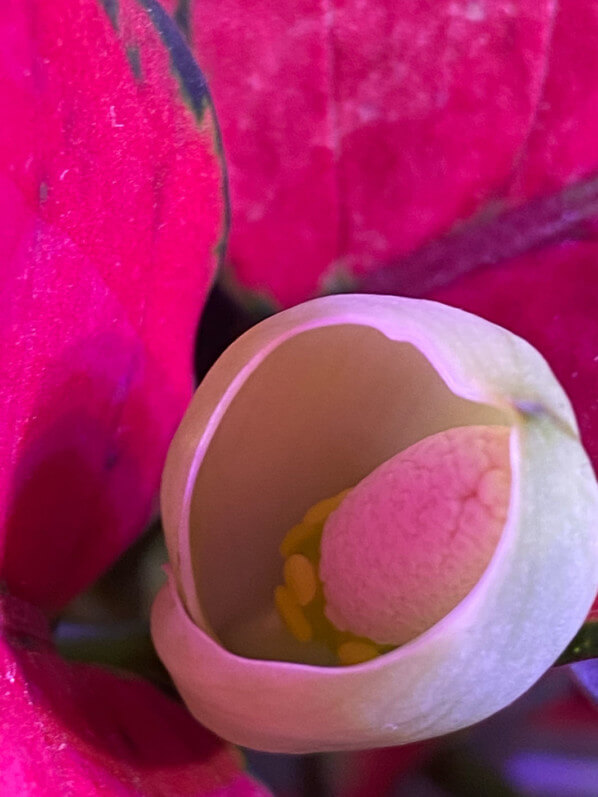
{"type": "Point", "coordinates": [356, 131]}
{"type": "Point", "coordinates": [78, 730]}
{"type": "Point", "coordinates": [561, 145]}
{"type": "Point", "coordinates": [111, 200]}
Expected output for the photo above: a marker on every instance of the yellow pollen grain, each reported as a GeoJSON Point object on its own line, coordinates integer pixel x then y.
{"type": "Point", "coordinates": [292, 614]}
{"type": "Point", "coordinates": [295, 538]}
{"type": "Point", "coordinates": [319, 512]}
{"type": "Point", "coordinates": [300, 602]}
{"type": "Point", "coordinates": [356, 652]}
{"type": "Point", "coordinates": [300, 578]}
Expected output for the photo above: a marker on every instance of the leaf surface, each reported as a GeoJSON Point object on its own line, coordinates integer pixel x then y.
{"type": "Point", "coordinates": [356, 131]}
{"type": "Point", "coordinates": [81, 731]}
{"type": "Point", "coordinates": [111, 195]}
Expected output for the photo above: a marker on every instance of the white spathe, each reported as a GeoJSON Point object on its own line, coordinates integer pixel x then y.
{"type": "Point", "coordinates": [307, 403]}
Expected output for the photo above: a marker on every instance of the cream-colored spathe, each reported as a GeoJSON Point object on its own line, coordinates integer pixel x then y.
{"type": "Point", "coordinates": [230, 491]}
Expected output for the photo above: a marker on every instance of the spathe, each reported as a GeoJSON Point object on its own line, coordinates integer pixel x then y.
{"type": "Point", "coordinates": [233, 481]}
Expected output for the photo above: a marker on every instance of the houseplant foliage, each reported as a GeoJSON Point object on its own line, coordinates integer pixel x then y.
{"type": "Point", "coordinates": [114, 215]}
{"type": "Point", "coordinates": [361, 131]}
{"type": "Point", "coordinates": [112, 207]}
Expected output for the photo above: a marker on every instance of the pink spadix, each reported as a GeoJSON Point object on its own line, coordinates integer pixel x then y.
{"type": "Point", "coordinates": [411, 540]}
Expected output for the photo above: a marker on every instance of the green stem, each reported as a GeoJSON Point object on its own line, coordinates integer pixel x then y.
{"type": "Point", "coordinates": [583, 646]}
{"type": "Point", "coordinates": [461, 773]}
{"type": "Point", "coordinates": [125, 646]}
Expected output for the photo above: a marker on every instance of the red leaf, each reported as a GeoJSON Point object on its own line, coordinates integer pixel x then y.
{"type": "Point", "coordinates": [561, 146]}
{"type": "Point", "coordinates": [355, 131]}
{"type": "Point", "coordinates": [111, 200]}
{"type": "Point", "coordinates": [78, 730]}
{"type": "Point", "coordinates": [372, 773]}
{"type": "Point", "coordinates": [549, 298]}
{"type": "Point", "coordinates": [569, 713]}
